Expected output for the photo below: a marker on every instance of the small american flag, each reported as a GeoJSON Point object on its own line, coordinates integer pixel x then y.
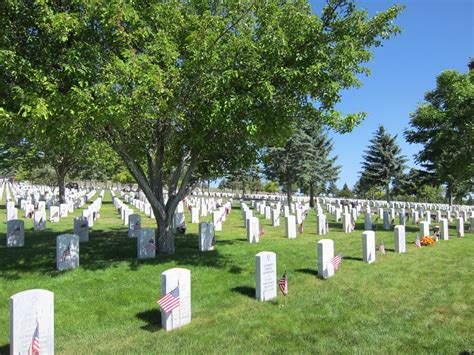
{"type": "Point", "coordinates": [301, 228]}
{"type": "Point", "coordinates": [190, 207]}
{"type": "Point", "coordinates": [336, 261]}
{"type": "Point", "coordinates": [66, 253]}
{"type": "Point", "coordinates": [283, 283]}
{"type": "Point", "coordinates": [34, 348]}
{"type": "Point", "coordinates": [417, 241]}
{"type": "Point", "coordinates": [169, 301]}
{"type": "Point", "coordinates": [262, 233]}
{"type": "Point", "coordinates": [84, 226]}
{"type": "Point", "coordinates": [55, 215]}
{"type": "Point", "coordinates": [382, 247]}
{"type": "Point", "coordinates": [136, 225]}
{"type": "Point", "coordinates": [150, 246]}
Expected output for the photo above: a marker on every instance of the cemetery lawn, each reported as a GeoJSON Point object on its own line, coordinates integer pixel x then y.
{"type": "Point", "coordinates": [418, 302]}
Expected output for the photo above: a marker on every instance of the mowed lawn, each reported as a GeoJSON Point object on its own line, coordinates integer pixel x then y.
{"type": "Point", "coordinates": [417, 302]}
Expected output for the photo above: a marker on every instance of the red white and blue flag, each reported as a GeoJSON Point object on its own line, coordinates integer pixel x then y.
{"type": "Point", "coordinates": [67, 252]}
{"type": "Point", "coordinates": [169, 301]}
{"type": "Point", "coordinates": [417, 241]}
{"type": "Point", "coordinates": [283, 283]}
{"type": "Point", "coordinates": [150, 246]}
{"type": "Point", "coordinates": [382, 247]}
{"type": "Point", "coordinates": [34, 348]}
{"type": "Point", "coordinates": [336, 261]}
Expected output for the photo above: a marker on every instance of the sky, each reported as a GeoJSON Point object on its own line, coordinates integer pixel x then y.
{"type": "Point", "coordinates": [436, 35]}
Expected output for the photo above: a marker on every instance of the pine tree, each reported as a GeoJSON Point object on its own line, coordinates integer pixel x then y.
{"type": "Point", "coordinates": [304, 160]}
{"type": "Point", "coordinates": [383, 163]}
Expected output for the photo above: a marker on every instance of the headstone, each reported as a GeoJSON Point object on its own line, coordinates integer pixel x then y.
{"type": "Point", "coordinates": [206, 236]}
{"type": "Point", "coordinates": [275, 217]}
{"type": "Point", "coordinates": [181, 315]}
{"type": "Point", "coordinates": [39, 221]}
{"type": "Point", "coordinates": [322, 223]}
{"type": "Point", "coordinates": [253, 230]}
{"type": "Point", "coordinates": [265, 270]}
{"type": "Point", "coordinates": [325, 254]}
{"type": "Point", "coordinates": [63, 210]}
{"type": "Point", "coordinates": [134, 225]}
{"type": "Point", "coordinates": [15, 233]}
{"type": "Point", "coordinates": [146, 243]}
{"type": "Point", "coordinates": [67, 252]}
{"type": "Point", "coordinates": [194, 214]}
{"type": "Point", "coordinates": [12, 213]}
{"type": "Point", "coordinates": [424, 229]}
{"type": "Point", "coordinates": [460, 227]}
{"type": "Point", "coordinates": [178, 220]}
{"type": "Point", "coordinates": [81, 229]}
{"type": "Point", "coordinates": [346, 223]}
{"type": "Point", "coordinates": [268, 212]}
{"type": "Point", "coordinates": [290, 227]}
{"type": "Point", "coordinates": [444, 229]}
{"type": "Point", "coordinates": [217, 220]}
{"type": "Point", "coordinates": [54, 214]}
{"type": "Point", "coordinates": [368, 247]}
{"type": "Point", "coordinates": [386, 220]}
{"type": "Point", "coordinates": [367, 221]}
{"type": "Point", "coordinates": [401, 217]}
{"type": "Point", "coordinates": [400, 242]}
{"type": "Point", "coordinates": [32, 322]}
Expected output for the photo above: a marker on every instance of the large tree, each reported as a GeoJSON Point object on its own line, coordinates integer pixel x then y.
{"type": "Point", "coordinates": [183, 90]}
{"type": "Point", "coordinates": [444, 124]}
{"type": "Point", "coordinates": [383, 163]}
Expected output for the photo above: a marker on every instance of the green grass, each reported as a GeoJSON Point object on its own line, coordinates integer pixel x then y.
{"type": "Point", "coordinates": [418, 302]}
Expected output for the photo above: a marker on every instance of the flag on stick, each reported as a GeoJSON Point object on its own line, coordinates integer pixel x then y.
{"type": "Point", "coordinates": [283, 283]}
{"type": "Point", "coordinates": [34, 348]}
{"type": "Point", "coordinates": [336, 261]}
{"type": "Point", "coordinates": [382, 247]}
{"type": "Point", "coordinates": [169, 301]}
{"type": "Point", "coordinates": [300, 228]}
{"type": "Point", "coordinates": [417, 241]}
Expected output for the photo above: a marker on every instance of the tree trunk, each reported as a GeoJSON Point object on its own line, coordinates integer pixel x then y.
{"type": "Point", "coordinates": [243, 188]}
{"type": "Point", "coordinates": [165, 233]}
{"type": "Point", "coordinates": [449, 194]}
{"type": "Point", "coordinates": [62, 189]}
{"type": "Point", "coordinates": [288, 194]}
{"type": "Point", "coordinates": [311, 196]}
{"type": "Point", "coordinates": [387, 192]}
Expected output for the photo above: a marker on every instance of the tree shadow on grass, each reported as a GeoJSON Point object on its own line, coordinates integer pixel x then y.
{"type": "Point", "coordinates": [245, 290]}
{"type": "Point", "coordinates": [153, 319]}
{"type": "Point", "coordinates": [352, 258]}
{"type": "Point", "coordinates": [104, 250]}
{"type": "Point", "coordinates": [5, 349]}
{"type": "Point", "coordinates": [308, 271]}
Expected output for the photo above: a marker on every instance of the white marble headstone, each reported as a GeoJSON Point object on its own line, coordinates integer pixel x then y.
{"type": "Point", "coordinates": [146, 243]}
{"type": "Point", "coordinates": [368, 246]}
{"type": "Point", "coordinates": [290, 227]}
{"type": "Point", "coordinates": [81, 228]}
{"type": "Point", "coordinates": [54, 214]}
{"type": "Point", "coordinates": [206, 236]}
{"type": "Point", "coordinates": [265, 272]}
{"type": "Point", "coordinates": [15, 233]}
{"type": "Point", "coordinates": [325, 254]}
{"type": "Point", "coordinates": [399, 236]}
{"type": "Point", "coordinates": [134, 225]}
{"type": "Point", "coordinates": [67, 252]}
{"type": "Point", "coordinates": [171, 279]}
{"type": "Point", "coordinates": [32, 310]}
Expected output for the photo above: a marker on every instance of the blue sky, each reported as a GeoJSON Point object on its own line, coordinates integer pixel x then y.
{"type": "Point", "coordinates": [436, 35]}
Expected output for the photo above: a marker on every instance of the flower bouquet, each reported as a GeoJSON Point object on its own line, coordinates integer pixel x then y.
{"type": "Point", "coordinates": [426, 240]}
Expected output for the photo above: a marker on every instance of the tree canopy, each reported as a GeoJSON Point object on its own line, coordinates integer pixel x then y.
{"type": "Point", "coordinates": [444, 125]}
{"type": "Point", "coordinates": [182, 90]}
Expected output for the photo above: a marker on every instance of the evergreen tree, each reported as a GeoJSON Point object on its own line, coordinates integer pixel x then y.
{"type": "Point", "coordinates": [304, 160]}
{"type": "Point", "coordinates": [383, 164]}
{"type": "Point", "coordinates": [346, 192]}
